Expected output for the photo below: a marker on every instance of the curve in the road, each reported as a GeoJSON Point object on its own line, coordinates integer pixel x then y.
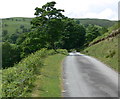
{"type": "Point", "coordinates": [84, 76]}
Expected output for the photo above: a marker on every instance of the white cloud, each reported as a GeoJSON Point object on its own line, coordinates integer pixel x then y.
{"type": "Point", "coordinates": [90, 8]}
{"type": "Point", "coordinates": [73, 8]}
{"type": "Point", "coordinates": [105, 14]}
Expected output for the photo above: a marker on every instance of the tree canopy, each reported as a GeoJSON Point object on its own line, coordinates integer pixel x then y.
{"type": "Point", "coordinates": [50, 29]}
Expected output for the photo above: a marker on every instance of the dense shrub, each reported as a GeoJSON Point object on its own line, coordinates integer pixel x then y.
{"type": "Point", "coordinates": [62, 51]}
{"type": "Point", "coordinates": [10, 54]}
{"type": "Point", "coordinates": [17, 81]}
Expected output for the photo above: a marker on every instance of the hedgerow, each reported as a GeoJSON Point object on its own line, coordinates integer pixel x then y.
{"type": "Point", "coordinates": [17, 81]}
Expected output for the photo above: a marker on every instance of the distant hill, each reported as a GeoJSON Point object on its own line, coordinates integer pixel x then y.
{"type": "Point", "coordinates": [22, 24]}
{"type": "Point", "coordinates": [15, 26]}
{"type": "Point", "coordinates": [100, 22]}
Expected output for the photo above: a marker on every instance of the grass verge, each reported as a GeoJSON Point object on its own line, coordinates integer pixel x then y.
{"type": "Point", "coordinates": [48, 83]}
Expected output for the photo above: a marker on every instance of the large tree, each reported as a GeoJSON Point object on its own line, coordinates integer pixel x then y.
{"type": "Point", "coordinates": [48, 24]}
{"type": "Point", "coordinates": [10, 54]}
{"type": "Point", "coordinates": [52, 30]}
{"type": "Point", "coordinates": [73, 35]}
{"type": "Point", "coordinates": [92, 31]}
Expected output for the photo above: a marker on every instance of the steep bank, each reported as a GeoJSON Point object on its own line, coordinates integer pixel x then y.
{"type": "Point", "coordinates": [106, 51]}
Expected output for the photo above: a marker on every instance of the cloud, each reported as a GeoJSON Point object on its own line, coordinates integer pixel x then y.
{"type": "Point", "coordinates": [105, 14]}
{"type": "Point", "coordinates": [107, 9]}
{"type": "Point", "coordinates": [73, 8]}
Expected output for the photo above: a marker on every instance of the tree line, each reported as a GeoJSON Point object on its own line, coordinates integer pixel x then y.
{"type": "Point", "coordinates": [52, 30]}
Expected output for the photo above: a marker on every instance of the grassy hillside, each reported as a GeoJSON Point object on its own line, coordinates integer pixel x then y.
{"type": "Point", "coordinates": [17, 26]}
{"type": "Point", "coordinates": [106, 51]}
{"type": "Point", "coordinates": [110, 30]}
{"type": "Point", "coordinates": [13, 25]}
{"type": "Point", "coordinates": [100, 22]}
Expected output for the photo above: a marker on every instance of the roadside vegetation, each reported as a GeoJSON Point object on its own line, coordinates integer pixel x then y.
{"type": "Point", "coordinates": [106, 33]}
{"type": "Point", "coordinates": [18, 81]}
{"type": "Point", "coordinates": [49, 29]}
{"type": "Point", "coordinates": [107, 50]}
{"type": "Point", "coordinates": [48, 83]}
{"type": "Point", "coordinates": [33, 49]}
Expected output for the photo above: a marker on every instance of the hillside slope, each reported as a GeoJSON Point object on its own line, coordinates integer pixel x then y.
{"type": "Point", "coordinates": [16, 24]}
{"type": "Point", "coordinates": [106, 51]}
{"type": "Point", "coordinates": [100, 22]}
{"type": "Point", "coordinates": [112, 31]}
{"type": "Point", "coordinates": [13, 27]}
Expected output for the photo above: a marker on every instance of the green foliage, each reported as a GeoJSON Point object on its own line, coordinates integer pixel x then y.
{"type": "Point", "coordinates": [17, 26]}
{"type": "Point", "coordinates": [48, 24]}
{"type": "Point", "coordinates": [107, 32]}
{"type": "Point", "coordinates": [73, 35]}
{"type": "Point", "coordinates": [92, 32]}
{"type": "Point", "coordinates": [13, 27]}
{"type": "Point", "coordinates": [62, 51]}
{"type": "Point", "coordinates": [103, 30]}
{"type": "Point", "coordinates": [52, 30]}
{"type": "Point", "coordinates": [21, 38]}
{"type": "Point", "coordinates": [4, 32]}
{"type": "Point", "coordinates": [10, 54]}
{"type": "Point", "coordinates": [30, 43]}
{"type": "Point", "coordinates": [0, 56]}
{"type": "Point", "coordinates": [15, 30]}
{"type": "Point", "coordinates": [18, 81]}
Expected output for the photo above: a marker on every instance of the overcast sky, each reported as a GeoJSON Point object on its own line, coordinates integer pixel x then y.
{"type": "Point", "coordinates": [103, 9]}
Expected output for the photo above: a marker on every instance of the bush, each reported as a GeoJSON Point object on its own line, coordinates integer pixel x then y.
{"type": "Point", "coordinates": [62, 51]}
{"type": "Point", "coordinates": [17, 80]}
{"type": "Point", "coordinates": [10, 54]}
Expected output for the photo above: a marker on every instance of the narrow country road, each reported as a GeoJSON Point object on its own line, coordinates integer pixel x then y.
{"type": "Point", "coordinates": [84, 76]}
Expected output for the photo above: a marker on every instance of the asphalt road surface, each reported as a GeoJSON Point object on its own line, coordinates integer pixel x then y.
{"type": "Point", "coordinates": [84, 76]}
